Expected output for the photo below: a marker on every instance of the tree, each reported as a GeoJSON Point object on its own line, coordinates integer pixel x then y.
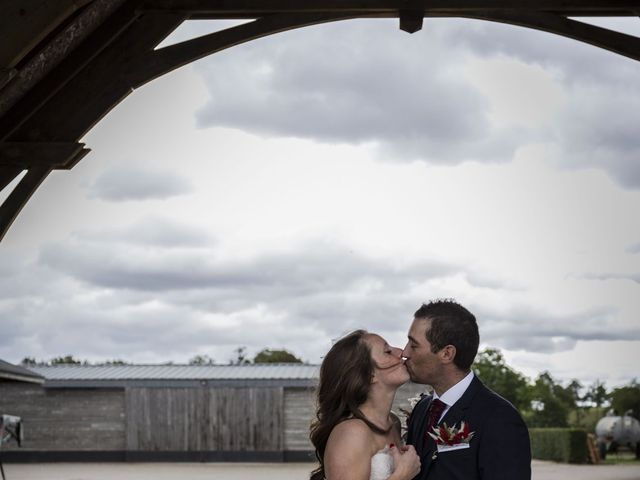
{"type": "Point", "coordinates": [574, 389]}
{"type": "Point", "coordinates": [67, 360]}
{"type": "Point", "coordinates": [29, 362]}
{"type": "Point", "coordinates": [241, 357]}
{"type": "Point", "coordinates": [201, 360]}
{"type": "Point", "coordinates": [551, 413]}
{"type": "Point", "coordinates": [275, 356]}
{"type": "Point", "coordinates": [553, 403]}
{"type": "Point", "coordinates": [491, 367]}
{"type": "Point", "coordinates": [627, 398]}
{"type": "Point", "coordinates": [597, 394]}
{"type": "Point", "coordinates": [115, 361]}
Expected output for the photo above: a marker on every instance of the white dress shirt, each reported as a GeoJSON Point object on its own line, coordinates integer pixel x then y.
{"type": "Point", "coordinates": [454, 394]}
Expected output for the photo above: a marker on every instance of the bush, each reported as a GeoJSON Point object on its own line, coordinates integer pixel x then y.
{"type": "Point", "coordinates": [568, 445]}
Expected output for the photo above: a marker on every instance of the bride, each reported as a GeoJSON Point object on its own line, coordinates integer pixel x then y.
{"type": "Point", "coordinates": [355, 434]}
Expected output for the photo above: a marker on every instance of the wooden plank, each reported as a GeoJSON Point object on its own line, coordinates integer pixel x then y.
{"type": "Point", "coordinates": [69, 420]}
{"type": "Point", "coordinates": [299, 412]}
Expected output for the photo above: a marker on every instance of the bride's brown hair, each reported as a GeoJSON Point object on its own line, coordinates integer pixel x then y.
{"type": "Point", "coordinates": [345, 379]}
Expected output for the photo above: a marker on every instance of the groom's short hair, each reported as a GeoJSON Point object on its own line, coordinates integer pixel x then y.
{"type": "Point", "coordinates": [451, 324]}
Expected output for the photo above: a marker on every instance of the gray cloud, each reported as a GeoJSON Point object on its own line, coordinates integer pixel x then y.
{"type": "Point", "coordinates": [634, 248]}
{"type": "Point", "coordinates": [376, 85]}
{"type": "Point", "coordinates": [101, 260]}
{"type": "Point", "coordinates": [407, 94]}
{"type": "Point", "coordinates": [531, 329]}
{"type": "Point", "coordinates": [160, 286]}
{"type": "Point", "coordinates": [154, 232]}
{"type": "Point", "coordinates": [578, 62]}
{"type": "Point", "coordinates": [126, 182]}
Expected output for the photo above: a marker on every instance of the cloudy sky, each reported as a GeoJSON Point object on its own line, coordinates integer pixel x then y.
{"type": "Point", "coordinates": [283, 192]}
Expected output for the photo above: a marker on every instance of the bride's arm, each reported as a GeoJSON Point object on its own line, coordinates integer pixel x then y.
{"type": "Point", "coordinates": [348, 452]}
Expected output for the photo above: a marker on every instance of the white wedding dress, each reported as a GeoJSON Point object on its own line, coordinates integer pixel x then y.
{"type": "Point", "coordinates": [381, 465]}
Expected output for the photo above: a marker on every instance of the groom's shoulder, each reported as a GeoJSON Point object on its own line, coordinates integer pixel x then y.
{"type": "Point", "coordinates": [499, 405]}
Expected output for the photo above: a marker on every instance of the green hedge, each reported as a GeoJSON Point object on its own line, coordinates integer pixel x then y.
{"type": "Point", "coordinates": [568, 445]}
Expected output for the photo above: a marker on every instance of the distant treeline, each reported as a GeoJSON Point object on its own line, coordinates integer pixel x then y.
{"type": "Point", "coordinates": [265, 355]}
{"type": "Point", "coordinates": [547, 402]}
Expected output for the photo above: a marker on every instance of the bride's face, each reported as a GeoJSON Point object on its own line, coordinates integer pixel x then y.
{"type": "Point", "coordinates": [389, 366]}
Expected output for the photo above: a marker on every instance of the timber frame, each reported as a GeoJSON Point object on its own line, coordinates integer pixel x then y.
{"type": "Point", "coordinates": [65, 64]}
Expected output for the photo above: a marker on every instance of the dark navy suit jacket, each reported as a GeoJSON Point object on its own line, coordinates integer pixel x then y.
{"type": "Point", "coordinates": [499, 449]}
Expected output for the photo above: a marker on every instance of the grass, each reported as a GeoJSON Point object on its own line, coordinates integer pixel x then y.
{"type": "Point", "coordinates": [621, 458]}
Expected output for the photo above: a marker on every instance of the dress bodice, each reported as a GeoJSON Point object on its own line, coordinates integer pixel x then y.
{"type": "Point", "coordinates": [381, 465]}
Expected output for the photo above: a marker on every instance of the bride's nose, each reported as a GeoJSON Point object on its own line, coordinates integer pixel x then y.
{"type": "Point", "coordinates": [397, 352]}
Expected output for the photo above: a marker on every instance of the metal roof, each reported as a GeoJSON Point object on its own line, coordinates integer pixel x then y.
{"type": "Point", "coordinates": [178, 372]}
{"type": "Point", "coordinates": [118, 376]}
{"type": "Point", "coordinates": [9, 371]}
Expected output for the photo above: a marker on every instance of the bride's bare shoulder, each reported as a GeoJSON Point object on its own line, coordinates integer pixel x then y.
{"type": "Point", "coordinates": [349, 450]}
{"type": "Point", "coordinates": [352, 434]}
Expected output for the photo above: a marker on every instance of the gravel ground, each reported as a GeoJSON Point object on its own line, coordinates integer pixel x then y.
{"type": "Point", "coordinates": [263, 471]}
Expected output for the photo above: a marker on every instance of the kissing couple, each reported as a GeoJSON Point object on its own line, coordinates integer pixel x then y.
{"type": "Point", "coordinates": [462, 430]}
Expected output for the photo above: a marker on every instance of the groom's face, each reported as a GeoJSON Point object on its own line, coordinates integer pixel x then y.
{"type": "Point", "coordinates": [422, 364]}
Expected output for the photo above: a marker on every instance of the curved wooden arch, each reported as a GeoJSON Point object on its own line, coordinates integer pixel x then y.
{"type": "Point", "coordinates": [108, 49]}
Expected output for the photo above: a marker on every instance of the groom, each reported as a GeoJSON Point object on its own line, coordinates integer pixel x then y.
{"type": "Point", "coordinates": [493, 442]}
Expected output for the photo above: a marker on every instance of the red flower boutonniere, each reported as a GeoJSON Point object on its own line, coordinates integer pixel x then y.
{"type": "Point", "coordinates": [452, 438]}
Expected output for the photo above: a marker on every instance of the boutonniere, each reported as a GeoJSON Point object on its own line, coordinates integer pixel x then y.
{"type": "Point", "coordinates": [452, 438]}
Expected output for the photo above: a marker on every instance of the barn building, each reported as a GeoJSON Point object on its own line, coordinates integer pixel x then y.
{"type": "Point", "coordinates": [255, 412]}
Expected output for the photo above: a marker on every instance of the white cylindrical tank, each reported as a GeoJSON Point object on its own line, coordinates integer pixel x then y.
{"type": "Point", "coordinates": [612, 431]}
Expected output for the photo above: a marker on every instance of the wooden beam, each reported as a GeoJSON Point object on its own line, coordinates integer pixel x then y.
{"type": "Point", "coordinates": [159, 62]}
{"type": "Point", "coordinates": [20, 100]}
{"type": "Point", "coordinates": [56, 50]}
{"type": "Point", "coordinates": [25, 155]}
{"type": "Point", "coordinates": [20, 195]}
{"type": "Point", "coordinates": [98, 86]}
{"type": "Point", "coordinates": [259, 8]}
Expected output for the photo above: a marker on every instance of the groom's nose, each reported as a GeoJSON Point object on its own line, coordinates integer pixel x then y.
{"type": "Point", "coordinates": [405, 352]}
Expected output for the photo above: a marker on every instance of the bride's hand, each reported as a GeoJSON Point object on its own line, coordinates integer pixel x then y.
{"type": "Point", "coordinates": [406, 462]}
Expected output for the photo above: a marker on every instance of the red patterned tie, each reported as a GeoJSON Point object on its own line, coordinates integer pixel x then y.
{"type": "Point", "coordinates": [435, 410]}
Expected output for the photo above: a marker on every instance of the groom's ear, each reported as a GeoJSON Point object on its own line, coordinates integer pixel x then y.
{"type": "Point", "coordinates": [447, 354]}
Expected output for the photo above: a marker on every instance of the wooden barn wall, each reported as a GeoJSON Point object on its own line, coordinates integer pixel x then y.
{"type": "Point", "coordinates": [299, 412]}
{"type": "Point", "coordinates": [194, 419]}
{"type": "Point", "coordinates": [65, 419]}
{"type": "Point", "coordinates": [251, 419]}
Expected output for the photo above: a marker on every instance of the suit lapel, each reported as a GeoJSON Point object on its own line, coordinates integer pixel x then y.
{"type": "Point", "coordinates": [420, 444]}
{"type": "Point", "coordinates": [454, 415]}
{"type": "Point", "coordinates": [457, 412]}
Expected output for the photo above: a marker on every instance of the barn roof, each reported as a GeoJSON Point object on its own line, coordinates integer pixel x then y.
{"type": "Point", "coordinates": [94, 376]}
{"type": "Point", "coordinates": [9, 371]}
